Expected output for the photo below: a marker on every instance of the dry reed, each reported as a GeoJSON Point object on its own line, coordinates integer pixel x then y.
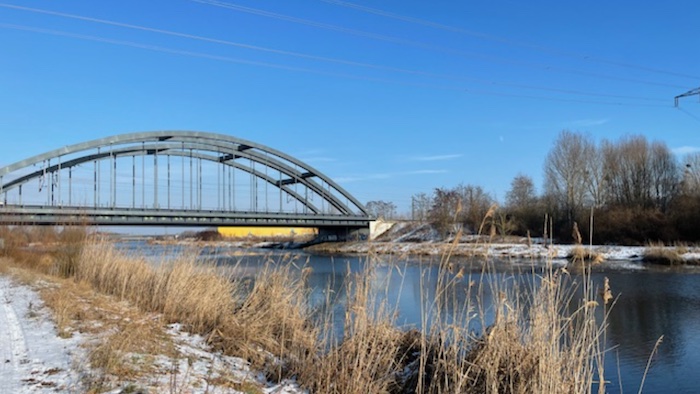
{"type": "Point", "coordinates": [658, 253]}
{"type": "Point", "coordinates": [182, 290]}
{"type": "Point", "coordinates": [265, 323]}
{"type": "Point", "coordinates": [582, 255]}
{"type": "Point", "coordinates": [368, 356]}
{"type": "Point", "coordinates": [535, 337]}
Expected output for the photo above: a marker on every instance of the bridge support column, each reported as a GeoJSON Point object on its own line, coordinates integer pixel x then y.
{"type": "Point", "coordinates": [342, 234]}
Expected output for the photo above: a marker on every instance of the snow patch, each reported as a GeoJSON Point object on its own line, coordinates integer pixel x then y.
{"type": "Point", "coordinates": [34, 358]}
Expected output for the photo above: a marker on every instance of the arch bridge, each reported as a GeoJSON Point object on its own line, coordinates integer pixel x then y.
{"type": "Point", "coordinates": [175, 178]}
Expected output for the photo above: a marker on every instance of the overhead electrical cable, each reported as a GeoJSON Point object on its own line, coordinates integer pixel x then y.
{"type": "Point", "coordinates": [224, 42]}
{"type": "Point", "coordinates": [316, 57]}
{"type": "Point", "coordinates": [216, 57]}
{"type": "Point", "coordinates": [184, 35]}
{"type": "Point", "coordinates": [689, 114]}
{"type": "Point", "coordinates": [568, 100]}
{"type": "Point", "coordinates": [502, 40]}
{"type": "Point", "coordinates": [299, 69]}
{"type": "Point", "coordinates": [426, 46]}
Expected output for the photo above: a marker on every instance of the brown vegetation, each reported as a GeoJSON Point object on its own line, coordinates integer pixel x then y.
{"type": "Point", "coordinates": [658, 253]}
{"type": "Point", "coordinates": [541, 339]}
{"type": "Point", "coordinates": [581, 255]}
{"type": "Point", "coordinates": [637, 190]}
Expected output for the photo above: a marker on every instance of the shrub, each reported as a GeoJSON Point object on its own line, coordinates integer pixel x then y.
{"type": "Point", "coordinates": [657, 253]}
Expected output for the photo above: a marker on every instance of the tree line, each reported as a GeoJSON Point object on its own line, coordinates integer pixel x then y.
{"type": "Point", "coordinates": [635, 191]}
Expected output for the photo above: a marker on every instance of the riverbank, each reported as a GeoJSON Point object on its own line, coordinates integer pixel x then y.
{"type": "Point", "coordinates": [497, 250]}
{"type": "Point", "coordinates": [421, 239]}
{"type": "Point", "coordinates": [136, 313]}
{"type": "Point", "coordinates": [521, 250]}
{"type": "Point", "coordinates": [510, 248]}
{"type": "Point", "coordinates": [60, 336]}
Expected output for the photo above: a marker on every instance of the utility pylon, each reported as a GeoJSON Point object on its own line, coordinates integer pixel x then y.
{"type": "Point", "coordinates": [694, 92]}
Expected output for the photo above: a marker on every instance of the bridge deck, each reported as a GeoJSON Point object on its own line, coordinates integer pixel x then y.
{"type": "Point", "coordinates": [52, 215]}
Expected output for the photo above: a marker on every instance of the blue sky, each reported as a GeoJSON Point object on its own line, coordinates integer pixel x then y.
{"type": "Point", "coordinates": [390, 98]}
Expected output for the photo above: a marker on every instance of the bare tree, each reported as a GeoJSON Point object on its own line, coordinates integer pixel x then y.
{"type": "Point", "coordinates": [521, 193]}
{"type": "Point", "coordinates": [567, 171]}
{"type": "Point", "coordinates": [523, 207]}
{"type": "Point", "coordinates": [381, 209]}
{"type": "Point", "coordinates": [691, 174]}
{"type": "Point", "coordinates": [640, 174]}
{"type": "Point", "coordinates": [446, 208]}
{"type": "Point", "coordinates": [420, 206]}
{"type": "Point", "coordinates": [595, 178]}
{"type": "Point", "coordinates": [665, 174]}
{"type": "Point", "coordinates": [475, 204]}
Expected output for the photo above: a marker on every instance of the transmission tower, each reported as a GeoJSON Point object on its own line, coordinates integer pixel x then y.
{"type": "Point", "coordinates": [694, 92]}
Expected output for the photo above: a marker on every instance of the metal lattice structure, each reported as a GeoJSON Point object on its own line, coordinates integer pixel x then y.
{"type": "Point", "coordinates": [173, 178]}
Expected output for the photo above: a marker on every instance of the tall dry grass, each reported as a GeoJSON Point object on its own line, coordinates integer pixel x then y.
{"type": "Point", "coordinates": [123, 343]}
{"type": "Point", "coordinates": [182, 290]}
{"type": "Point", "coordinates": [658, 253]}
{"type": "Point", "coordinates": [534, 338]}
{"type": "Point", "coordinates": [495, 334]}
{"type": "Point", "coordinates": [46, 249]}
{"type": "Point", "coordinates": [272, 316]}
{"type": "Point", "coordinates": [581, 255]}
{"type": "Point", "coordinates": [266, 323]}
{"type": "Point", "coordinates": [368, 354]}
{"type": "Point", "coordinates": [538, 336]}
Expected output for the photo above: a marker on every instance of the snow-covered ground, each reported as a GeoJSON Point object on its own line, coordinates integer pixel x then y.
{"type": "Point", "coordinates": [497, 250]}
{"type": "Point", "coordinates": [197, 367]}
{"type": "Point", "coordinates": [503, 250]}
{"type": "Point", "coordinates": [34, 359]}
{"type": "Point", "coordinates": [612, 256]}
{"type": "Point", "coordinates": [411, 238]}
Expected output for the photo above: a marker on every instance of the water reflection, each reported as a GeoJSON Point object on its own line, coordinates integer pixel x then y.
{"type": "Point", "coordinates": [650, 303]}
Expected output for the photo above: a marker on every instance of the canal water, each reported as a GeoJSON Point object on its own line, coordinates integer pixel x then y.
{"type": "Point", "coordinates": [650, 302]}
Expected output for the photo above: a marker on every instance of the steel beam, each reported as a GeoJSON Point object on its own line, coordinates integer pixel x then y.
{"type": "Point", "coordinates": [236, 144]}
{"type": "Point", "coordinates": [48, 215]}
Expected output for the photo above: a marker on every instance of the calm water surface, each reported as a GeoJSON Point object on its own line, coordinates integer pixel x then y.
{"type": "Point", "coordinates": [651, 302]}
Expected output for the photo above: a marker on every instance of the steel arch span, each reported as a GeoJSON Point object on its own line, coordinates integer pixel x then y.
{"type": "Point", "coordinates": [173, 177]}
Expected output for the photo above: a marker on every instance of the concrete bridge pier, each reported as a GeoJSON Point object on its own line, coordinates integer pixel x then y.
{"type": "Point", "coordinates": [342, 233]}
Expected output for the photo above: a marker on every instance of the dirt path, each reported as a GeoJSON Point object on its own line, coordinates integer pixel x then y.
{"type": "Point", "coordinates": [33, 359]}
{"type": "Point", "coordinates": [13, 348]}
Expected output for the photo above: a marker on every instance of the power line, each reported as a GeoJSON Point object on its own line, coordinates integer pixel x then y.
{"type": "Point", "coordinates": [212, 57]}
{"type": "Point", "coordinates": [186, 35]}
{"type": "Point", "coordinates": [422, 45]}
{"type": "Point", "coordinates": [490, 93]}
{"type": "Point", "coordinates": [298, 69]}
{"type": "Point", "coordinates": [228, 43]}
{"type": "Point", "coordinates": [315, 57]}
{"type": "Point", "coordinates": [577, 92]}
{"type": "Point", "coordinates": [692, 92]}
{"type": "Point", "coordinates": [689, 114]}
{"type": "Point", "coordinates": [494, 38]}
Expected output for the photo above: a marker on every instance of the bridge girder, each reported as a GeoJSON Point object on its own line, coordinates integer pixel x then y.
{"type": "Point", "coordinates": [150, 150]}
{"type": "Point", "coordinates": [211, 147]}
